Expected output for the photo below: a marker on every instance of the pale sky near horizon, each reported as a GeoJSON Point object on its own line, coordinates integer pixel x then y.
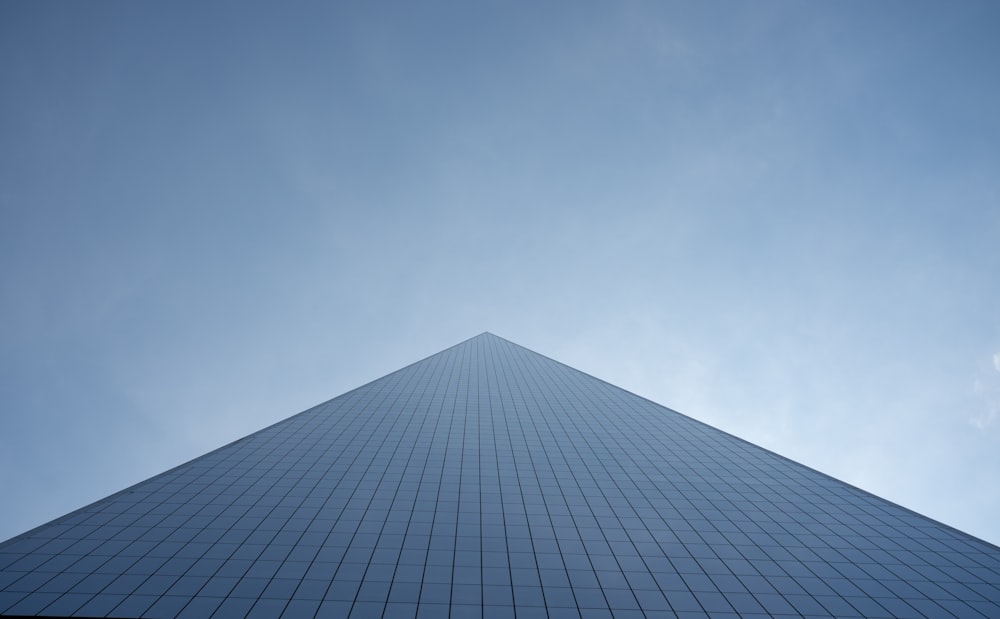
{"type": "Point", "coordinates": [780, 218]}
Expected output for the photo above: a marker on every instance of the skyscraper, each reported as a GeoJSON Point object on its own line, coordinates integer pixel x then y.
{"type": "Point", "coordinates": [490, 481]}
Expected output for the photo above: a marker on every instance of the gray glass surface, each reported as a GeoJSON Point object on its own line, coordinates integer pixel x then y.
{"type": "Point", "coordinates": [490, 481]}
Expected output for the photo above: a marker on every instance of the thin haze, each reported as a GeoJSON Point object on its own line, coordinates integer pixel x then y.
{"type": "Point", "coordinates": [781, 218]}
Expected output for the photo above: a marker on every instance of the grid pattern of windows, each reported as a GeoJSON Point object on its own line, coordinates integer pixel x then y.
{"type": "Point", "coordinates": [488, 481]}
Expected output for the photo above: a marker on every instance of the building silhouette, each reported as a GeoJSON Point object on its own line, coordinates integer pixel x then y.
{"type": "Point", "coordinates": [490, 481]}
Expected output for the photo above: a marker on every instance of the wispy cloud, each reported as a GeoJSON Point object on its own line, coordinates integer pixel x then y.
{"type": "Point", "coordinates": [986, 386]}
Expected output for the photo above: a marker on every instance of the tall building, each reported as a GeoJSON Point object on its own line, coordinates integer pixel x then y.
{"type": "Point", "coordinates": [490, 481]}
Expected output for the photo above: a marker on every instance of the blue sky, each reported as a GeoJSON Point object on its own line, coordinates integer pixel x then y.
{"type": "Point", "coordinates": [781, 218]}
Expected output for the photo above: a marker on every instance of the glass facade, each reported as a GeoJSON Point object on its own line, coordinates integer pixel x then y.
{"type": "Point", "coordinates": [490, 481]}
